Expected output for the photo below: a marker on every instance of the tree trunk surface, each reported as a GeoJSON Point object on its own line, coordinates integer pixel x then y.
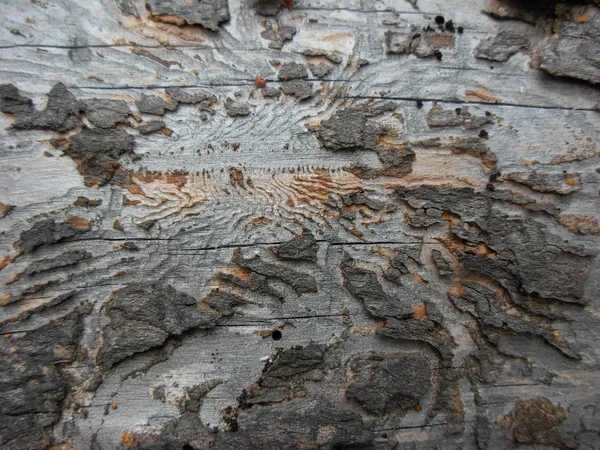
{"type": "Point", "coordinates": [313, 224]}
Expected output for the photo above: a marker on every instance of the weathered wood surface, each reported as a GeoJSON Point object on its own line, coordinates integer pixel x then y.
{"type": "Point", "coordinates": [422, 233]}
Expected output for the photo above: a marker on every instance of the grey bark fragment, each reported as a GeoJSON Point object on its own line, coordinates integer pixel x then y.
{"type": "Point", "coordinates": [423, 218]}
{"type": "Point", "coordinates": [184, 96]}
{"type": "Point", "coordinates": [187, 429]}
{"type": "Point", "coordinates": [334, 57]}
{"type": "Point", "coordinates": [284, 378]}
{"type": "Point", "coordinates": [278, 34]}
{"type": "Point", "coordinates": [398, 267]}
{"type": "Point", "coordinates": [61, 113]}
{"type": "Point", "coordinates": [151, 127]}
{"type": "Point", "coordinates": [66, 259]}
{"type": "Point", "coordinates": [493, 312]}
{"type": "Point", "coordinates": [268, 7]}
{"type": "Point", "coordinates": [476, 147]}
{"type": "Point", "coordinates": [516, 9]}
{"type": "Point", "coordinates": [87, 203]}
{"type": "Point", "coordinates": [254, 282]}
{"type": "Point", "coordinates": [292, 70]}
{"type": "Point", "coordinates": [501, 47]}
{"type": "Point", "coordinates": [208, 13]}
{"type": "Point", "coordinates": [397, 161]}
{"type": "Point", "coordinates": [271, 92]}
{"type": "Point", "coordinates": [300, 88]}
{"type": "Point", "coordinates": [302, 420]}
{"type": "Point", "coordinates": [235, 109]}
{"type": "Point", "coordinates": [399, 42]}
{"type": "Point", "coordinates": [303, 247]}
{"type": "Point", "coordinates": [223, 302]}
{"type": "Point", "coordinates": [575, 50]}
{"type": "Point", "coordinates": [293, 364]}
{"type": "Point", "coordinates": [573, 57]}
{"type": "Point", "coordinates": [320, 70]}
{"type": "Point", "coordinates": [364, 284]}
{"type": "Point", "coordinates": [352, 129]}
{"type": "Point", "coordinates": [80, 53]}
{"type": "Point", "coordinates": [384, 384]}
{"type": "Point", "coordinates": [444, 268]}
{"type": "Point", "coordinates": [529, 258]}
{"type": "Point", "coordinates": [556, 183]}
{"type": "Point", "coordinates": [97, 152]}
{"type": "Point", "coordinates": [106, 113]}
{"type": "Point", "coordinates": [300, 282]}
{"type": "Point", "coordinates": [429, 331]}
{"type": "Point", "coordinates": [535, 421]}
{"type": "Point", "coordinates": [440, 117]}
{"type": "Point", "coordinates": [152, 104]}
{"type": "Point", "coordinates": [143, 316]}
{"type": "Point", "coordinates": [33, 387]}
{"type": "Point", "coordinates": [12, 102]}
{"type": "Point", "coordinates": [46, 232]}
{"type": "Point", "coordinates": [360, 198]}
{"type": "Point", "coordinates": [582, 22]}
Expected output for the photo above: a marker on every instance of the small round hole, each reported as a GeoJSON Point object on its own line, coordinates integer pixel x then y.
{"type": "Point", "coordinates": [276, 335]}
{"type": "Point", "coordinates": [187, 447]}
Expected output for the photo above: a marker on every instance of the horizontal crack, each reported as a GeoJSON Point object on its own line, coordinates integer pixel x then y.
{"type": "Point", "coordinates": [119, 239]}
{"type": "Point", "coordinates": [365, 11]}
{"type": "Point", "coordinates": [160, 86]}
{"type": "Point", "coordinates": [360, 97]}
{"type": "Point", "coordinates": [495, 386]}
{"type": "Point", "coordinates": [268, 319]}
{"type": "Point", "coordinates": [413, 427]}
{"type": "Point", "coordinates": [471, 102]}
{"type": "Point", "coordinates": [258, 244]}
{"type": "Point", "coordinates": [381, 243]}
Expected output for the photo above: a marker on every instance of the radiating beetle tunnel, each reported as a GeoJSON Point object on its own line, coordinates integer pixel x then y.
{"type": "Point", "coordinates": [241, 224]}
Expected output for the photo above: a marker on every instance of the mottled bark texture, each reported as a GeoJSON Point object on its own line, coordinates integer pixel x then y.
{"type": "Point", "coordinates": [299, 224]}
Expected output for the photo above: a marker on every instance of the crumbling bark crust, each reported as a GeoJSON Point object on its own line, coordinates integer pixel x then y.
{"type": "Point", "coordinates": [299, 225]}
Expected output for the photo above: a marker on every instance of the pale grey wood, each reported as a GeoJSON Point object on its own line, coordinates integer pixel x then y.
{"type": "Point", "coordinates": [247, 184]}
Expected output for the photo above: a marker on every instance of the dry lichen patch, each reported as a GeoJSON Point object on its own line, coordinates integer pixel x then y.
{"type": "Point", "coordinates": [456, 288]}
{"type": "Point", "coordinates": [258, 222]}
{"type": "Point", "coordinates": [481, 94]}
{"type": "Point", "coordinates": [5, 298]}
{"type": "Point", "coordinates": [79, 223]}
{"type": "Point", "coordinates": [534, 421]}
{"type": "Point", "coordinates": [177, 178]}
{"type": "Point", "coordinates": [5, 261]}
{"type": "Point", "coordinates": [577, 223]}
{"type": "Point", "coordinates": [238, 272]}
{"type": "Point", "coordinates": [420, 311]}
{"type": "Point", "coordinates": [128, 441]}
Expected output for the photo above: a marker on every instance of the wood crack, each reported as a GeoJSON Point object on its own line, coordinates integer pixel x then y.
{"type": "Point", "coordinates": [472, 102]}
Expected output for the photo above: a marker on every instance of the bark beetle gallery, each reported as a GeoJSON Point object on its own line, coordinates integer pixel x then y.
{"type": "Point", "coordinates": [242, 224]}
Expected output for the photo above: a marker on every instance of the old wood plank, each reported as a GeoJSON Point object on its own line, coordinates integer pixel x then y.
{"type": "Point", "coordinates": [421, 234]}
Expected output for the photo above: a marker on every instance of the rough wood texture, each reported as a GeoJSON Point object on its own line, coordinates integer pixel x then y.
{"type": "Point", "coordinates": [310, 224]}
